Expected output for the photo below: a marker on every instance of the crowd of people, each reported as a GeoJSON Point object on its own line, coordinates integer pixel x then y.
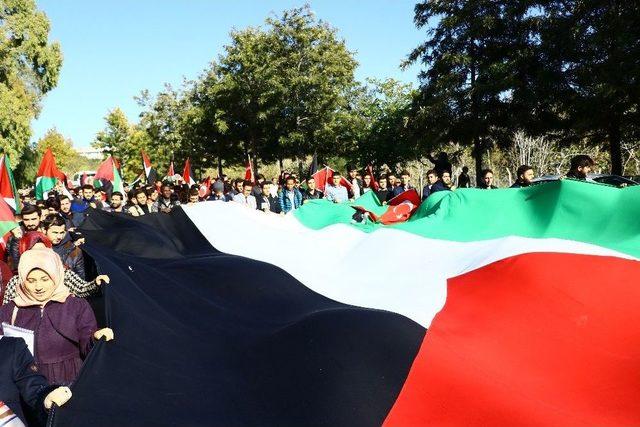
{"type": "Point", "coordinates": [44, 281]}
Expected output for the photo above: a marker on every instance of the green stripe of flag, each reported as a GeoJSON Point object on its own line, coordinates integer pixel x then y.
{"type": "Point", "coordinates": [566, 209]}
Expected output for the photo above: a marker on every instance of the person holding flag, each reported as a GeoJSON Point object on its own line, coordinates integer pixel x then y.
{"type": "Point", "coordinates": [336, 193]}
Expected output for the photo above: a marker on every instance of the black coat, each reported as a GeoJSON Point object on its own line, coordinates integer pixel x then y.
{"type": "Point", "coordinates": [439, 186]}
{"type": "Point", "coordinates": [519, 184]}
{"type": "Point", "coordinates": [383, 195]}
{"type": "Point", "coordinates": [13, 251]}
{"type": "Point", "coordinates": [275, 204]}
{"type": "Point", "coordinates": [317, 194]}
{"type": "Point", "coordinates": [21, 381]}
{"type": "Point", "coordinates": [426, 191]}
{"type": "Point", "coordinates": [71, 256]}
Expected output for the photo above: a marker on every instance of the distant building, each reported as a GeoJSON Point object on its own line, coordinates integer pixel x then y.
{"type": "Point", "coordinates": [91, 153]}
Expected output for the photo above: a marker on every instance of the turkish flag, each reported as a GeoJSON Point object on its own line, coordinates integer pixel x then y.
{"type": "Point", "coordinates": [401, 207]}
{"type": "Point", "coordinates": [205, 188]}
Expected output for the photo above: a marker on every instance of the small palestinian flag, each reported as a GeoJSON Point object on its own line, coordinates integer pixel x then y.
{"type": "Point", "coordinates": [8, 189]}
{"type": "Point", "coordinates": [150, 173]}
{"type": "Point", "coordinates": [485, 308]}
{"type": "Point", "coordinates": [7, 223]}
{"type": "Point", "coordinates": [108, 173]}
{"type": "Point", "coordinates": [187, 173]}
{"type": "Point", "coordinates": [48, 175]}
{"type": "Point", "coordinates": [171, 172]}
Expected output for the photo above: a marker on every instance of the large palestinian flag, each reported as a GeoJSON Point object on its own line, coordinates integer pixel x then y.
{"type": "Point", "coordinates": [492, 308]}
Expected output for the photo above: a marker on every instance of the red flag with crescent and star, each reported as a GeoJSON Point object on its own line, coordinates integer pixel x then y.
{"type": "Point", "coordinates": [401, 207]}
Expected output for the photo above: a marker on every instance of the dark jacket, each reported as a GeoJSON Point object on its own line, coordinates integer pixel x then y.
{"type": "Point", "coordinates": [350, 189]}
{"type": "Point", "coordinates": [574, 175]}
{"type": "Point", "coordinates": [260, 199]}
{"type": "Point", "coordinates": [317, 194]}
{"type": "Point", "coordinates": [214, 198]}
{"type": "Point", "coordinates": [519, 184]}
{"type": "Point", "coordinates": [256, 191]}
{"type": "Point", "coordinates": [383, 195]}
{"type": "Point", "coordinates": [166, 204]}
{"type": "Point", "coordinates": [426, 191]}
{"type": "Point", "coordinates": [439, 186]}
{"type": "Point", "coordinates": [20, 380]}
{"type": "Point", "coordinates": [230, 194]}
{"type": "Point", "coordinates": [81, 205]}
{"type": "Point", "coordinates": [68, 219]}
{"type": "Point", "coordinates": [484, 186]}
{"type": "Point", "coordinates": [400, 189]}
{"type": "Point", "coordinates": [275, 204]}
{"type": "Point", "coordinates": [71, 256]}
{"type": "Point", "coordinates": [464, 181]}
{"type": "Point", "coordinates": [13, 251]}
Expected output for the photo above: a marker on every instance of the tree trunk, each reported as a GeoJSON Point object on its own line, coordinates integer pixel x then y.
{"type": "Point", "coordinates": [281, 164]}
{"type": "Point", "coordinates": [477, 154]}
{"type": "Point", "coordinates": [219, 167]}
{"type": "Point", "coordinates": [615, 149]}
{"type": "Point", "coordinates": [254, 163]}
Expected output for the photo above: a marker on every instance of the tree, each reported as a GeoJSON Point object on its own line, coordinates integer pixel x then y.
{"type": "Point", "coordinates": [314, 71]}
{"type": "Point", "coordinates": [280, 90]}
{"type": "Point", "coordinates": [381, 113]}
{"type": "Point", "coordinates": [61, 147]}
{"type": "Point", "coordinates": [177, 124]}
{"type": "Point", "coordinates": [29, 68]}
{"type": "Point", "coordinates": [472, 86]}
{"type": "Point", "coordinates": [123, 141]}
{"type": "Point", "coordinates": [593, 48]}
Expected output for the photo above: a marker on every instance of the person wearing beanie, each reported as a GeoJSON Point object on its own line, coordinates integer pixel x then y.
{"type": "Point", "coordinates": [217, 192]}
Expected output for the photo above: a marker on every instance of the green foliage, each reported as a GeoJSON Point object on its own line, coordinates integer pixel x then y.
{"type": "Point", "coordinates": [593, 53]}
{"type": "Point", "coordinates": [567, 70]}
{"type": "Point", "coordinates": [25, 172]}
{"type": "Point", "coordinates": [123, 141]}
{"type": "Point", "coordinates": [29, 68]}
{"type": "Point", "coordinates": [381, 114]}
{"type": "Point", "coordinates": [279, 92]}
{"type": "Point", "coordinates": [472, 56]}
{"type": "Point", "coordinates": [61, 147]}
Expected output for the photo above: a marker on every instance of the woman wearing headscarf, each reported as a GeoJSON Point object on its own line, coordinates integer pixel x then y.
{"type": "Point", "coordinates": [63, 325]}
{"type": "Point", "coordinates": [77, 286]}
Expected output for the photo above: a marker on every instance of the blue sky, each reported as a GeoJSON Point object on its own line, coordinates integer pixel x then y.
{"type": "Point", "coordinates": [114, 49]}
